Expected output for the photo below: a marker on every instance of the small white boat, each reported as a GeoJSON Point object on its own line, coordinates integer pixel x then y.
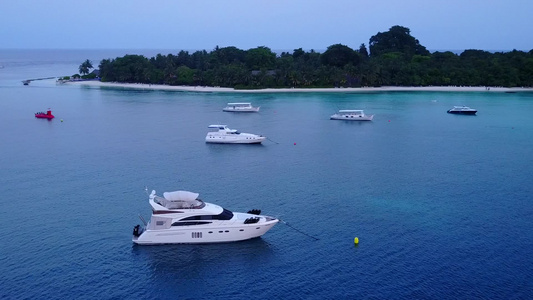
{"type": "Point", "coordinates": [352, 115]}
{"type": "Point", "coordinates": [462, 110]}
{"type": "Point", "coordinates": [224, 135]}
{"type": "Point", "coordinates": [181, 218]}
{"type": "Point", "coordinates": [241, 107]}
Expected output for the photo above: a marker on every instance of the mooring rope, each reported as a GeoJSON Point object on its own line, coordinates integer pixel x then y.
{"type": "Point", "coordinates": [272, 141]}
{"type": "Point", "coordinates": [315, 238]}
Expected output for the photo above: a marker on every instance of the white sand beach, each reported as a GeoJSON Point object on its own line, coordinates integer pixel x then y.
{"type": "Point", "coordinates": [208, 89]}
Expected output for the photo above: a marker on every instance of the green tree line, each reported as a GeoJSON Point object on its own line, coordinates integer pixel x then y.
{"type": "Point", "coordinates": [392, 58]}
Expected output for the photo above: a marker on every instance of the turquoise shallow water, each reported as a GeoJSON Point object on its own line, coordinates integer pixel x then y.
{"type": "Point", "coordinates": [441, 204]}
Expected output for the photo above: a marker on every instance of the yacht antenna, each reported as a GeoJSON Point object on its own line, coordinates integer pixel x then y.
{"type": "Point", "coordinates": [142, 219]}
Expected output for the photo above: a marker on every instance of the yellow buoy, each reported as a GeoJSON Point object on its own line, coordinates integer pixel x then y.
{"type": "Point", "coordinates": [356, 240]}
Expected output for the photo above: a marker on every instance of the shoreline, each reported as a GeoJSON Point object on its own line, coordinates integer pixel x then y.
{"type": "Point", "coordinates": [208, 89]}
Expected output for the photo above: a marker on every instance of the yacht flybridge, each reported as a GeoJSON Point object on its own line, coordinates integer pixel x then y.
{"type": "Point", "coordinates": [224, 135]}
{"type": "Point", "coordinates": [180, 218]}
{"type": "Point", "coordinates": [352, 115]}
{"type": "Point", "coordinates": [241, 107]}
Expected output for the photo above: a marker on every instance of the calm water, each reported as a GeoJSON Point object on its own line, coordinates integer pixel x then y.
{"type": "Point", "coordinates": [442, 204]}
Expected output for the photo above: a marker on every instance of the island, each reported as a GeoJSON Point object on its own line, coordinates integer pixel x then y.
{"type": "Point", "coordinates": [392, 59]}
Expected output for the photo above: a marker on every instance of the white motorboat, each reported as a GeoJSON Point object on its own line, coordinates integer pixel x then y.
{"type": "Point", "coordinates": [352, 115]}
{"type": "Point", "coordinates": [224, 135]}
{"type": "Point", "coordinates": [241, 107]}
{"type": "Point", "coordinates": [462, 110]}
{"type": "Point", "coordinates": [181, 218]}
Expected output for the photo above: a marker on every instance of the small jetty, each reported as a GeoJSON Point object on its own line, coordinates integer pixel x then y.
{"type": "Point", "coordinates": [27, 81]}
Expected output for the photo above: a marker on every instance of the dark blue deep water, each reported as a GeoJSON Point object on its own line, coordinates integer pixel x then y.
{"type": "Point", "coordinates": [441, 204]}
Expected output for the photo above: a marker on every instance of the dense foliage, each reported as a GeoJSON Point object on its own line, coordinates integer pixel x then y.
{"type": "Point", "coordinates": [395, 58]}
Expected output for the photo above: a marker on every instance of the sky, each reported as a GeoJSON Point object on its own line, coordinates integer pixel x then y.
{"type": "Point", "coordinates": [491, 25]}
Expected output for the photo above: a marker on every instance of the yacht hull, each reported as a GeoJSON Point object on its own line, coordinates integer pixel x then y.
{"type": "Point", "coordinates": [195, 235]}
{"type": "Point", "coordinates": [230, 140]}
{"type": "Point", "coordinates": [255, 109]}
{"type": "Point", "coordinates": [347, 118]}
{"type": "Point", "coordinates": [472, 112]}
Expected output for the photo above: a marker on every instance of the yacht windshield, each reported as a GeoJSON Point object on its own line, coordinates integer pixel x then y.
{"type": "Point", "coordinates": [190, 223]}
{"type": "Point", "coordinates": [225, 215]}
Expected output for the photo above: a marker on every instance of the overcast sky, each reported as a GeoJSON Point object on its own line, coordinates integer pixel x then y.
{"type": "Point", "coordinates": [277, 24]}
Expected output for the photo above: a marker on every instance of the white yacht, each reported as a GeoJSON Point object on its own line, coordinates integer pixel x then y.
{"type": "Point", "coordinates": [181, 218]}
{"type": "Point", "coordinates": [224, 135]}
{"type": "Point", "coordinates": [462, 110]}
{"type": "Point", "coordinates": [352, 115]}
{"type": "Point", "coordinates": [241, 107]}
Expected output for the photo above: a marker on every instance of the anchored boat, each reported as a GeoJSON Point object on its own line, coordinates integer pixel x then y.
{"type": "Point", "coordinates": [42, 115]}
{"type": "Point", "coordinates": [462, 110]}
{"type": "Point", "coordinates": [181, 217]}
{"type": "Point", "coordinates": [224, 135]}
{"type": "Point", "coordinates": [352, 115]}
{"type": "Point", "coordinates": [241, 107]}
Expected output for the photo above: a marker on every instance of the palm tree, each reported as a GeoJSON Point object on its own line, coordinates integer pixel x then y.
{"type": "Point", "coordinates": [85, 66]}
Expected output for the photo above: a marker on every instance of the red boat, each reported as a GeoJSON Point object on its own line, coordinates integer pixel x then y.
{"type": "Point", "coordinates": [47, 115]}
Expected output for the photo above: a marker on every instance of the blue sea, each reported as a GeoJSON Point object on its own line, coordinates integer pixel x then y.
{"type": "Point", "coordinates": [442, 204]}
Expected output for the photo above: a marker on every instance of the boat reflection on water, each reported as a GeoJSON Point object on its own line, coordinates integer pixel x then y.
{"type": "Point", "coordinates": [172, 264]}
